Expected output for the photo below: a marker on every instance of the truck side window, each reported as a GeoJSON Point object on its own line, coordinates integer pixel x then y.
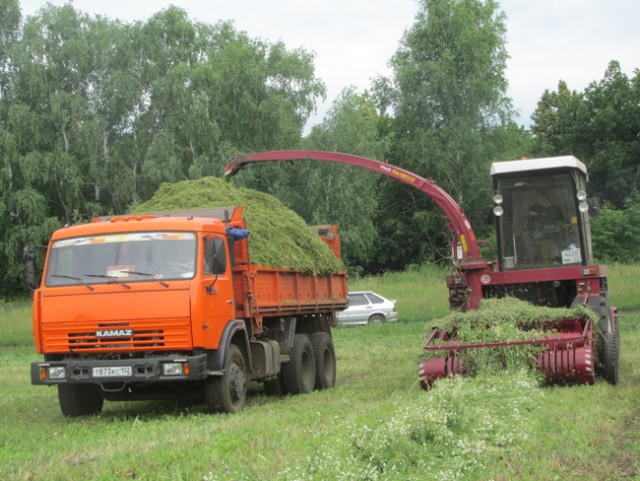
{"type": "Point", "coordinates": [215, 256]}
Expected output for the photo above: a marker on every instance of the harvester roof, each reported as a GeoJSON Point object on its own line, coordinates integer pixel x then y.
{"type": "Point", "coordinates": [527, 165]}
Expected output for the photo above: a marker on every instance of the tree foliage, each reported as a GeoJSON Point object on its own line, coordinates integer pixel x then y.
{"type": "Point", "coordinates": [616, 232]}
{"type": "Point", "coordinates": [449, 99]}
{"type": "Point", "coordinates": [599, 126]}
{"type": "Point", "coordinates": [96, 114]}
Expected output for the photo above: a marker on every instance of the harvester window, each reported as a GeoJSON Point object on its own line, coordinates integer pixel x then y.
{"type": "Point", "coordinates": [539, 227]}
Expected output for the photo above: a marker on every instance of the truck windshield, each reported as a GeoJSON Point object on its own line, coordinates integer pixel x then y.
{"type": "Point", "coordinates": [122, 258]}
{"type": "Point", "coordinates": [539, 226]}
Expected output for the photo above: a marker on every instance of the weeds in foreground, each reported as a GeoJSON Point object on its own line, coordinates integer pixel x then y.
{"type": "Point", "coordinates": [456, 430]}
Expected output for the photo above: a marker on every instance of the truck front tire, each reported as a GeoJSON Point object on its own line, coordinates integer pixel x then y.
{"type": "Point", "coordinates": [80, 399]}
{"type": "Point", "coordinates": [228, 393]}
{"type": "Point", "coordinates": [299, 374]}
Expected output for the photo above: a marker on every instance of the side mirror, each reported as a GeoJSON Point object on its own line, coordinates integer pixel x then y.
{"type": "Point", "coordinates": [487, 214]}
{"type": "Point", "coordinates": [29, 259]}
{"type": "Point", "coordinates": [594, 206]}
{"type": "Point", "coordinates": [216, 256]}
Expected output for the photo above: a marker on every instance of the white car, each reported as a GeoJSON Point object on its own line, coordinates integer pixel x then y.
{"type": "Point", "coordinates": [366, 307]}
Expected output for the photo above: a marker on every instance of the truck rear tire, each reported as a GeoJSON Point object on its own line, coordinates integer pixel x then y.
{"type": "Point", "coordinates": [228, 393]}
{"type": "Point", "coordinates": [80, 399]}
{"type": "Point", "coordinates": [324, 356]}
{"type": "Point", "coordinates": [299, 374]}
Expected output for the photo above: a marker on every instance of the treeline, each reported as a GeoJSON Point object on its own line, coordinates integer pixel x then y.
{"type": "Point", "coordinates": [96, 114]}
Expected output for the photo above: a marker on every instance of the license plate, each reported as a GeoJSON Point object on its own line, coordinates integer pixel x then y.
{"type": "Point", "coordinates": [115, 371]}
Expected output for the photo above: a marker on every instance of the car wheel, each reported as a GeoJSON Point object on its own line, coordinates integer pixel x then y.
{"type": "Point", "coordinates": [377, 320]}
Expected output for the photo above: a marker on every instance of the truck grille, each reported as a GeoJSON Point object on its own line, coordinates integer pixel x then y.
{"type": "Point", "coordinates": [174, 334]}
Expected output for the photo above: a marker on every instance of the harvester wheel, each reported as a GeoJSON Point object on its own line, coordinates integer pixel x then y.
{"type": "Point", "coordinates": [324, 356]}
{"type": "Point", "coordinates": [611, 351]}
{"type": "Point", "coordinates": [80, 399]}
{"type": "Point", "coordinates": [376, 320]}
{"type": "Point", "coordinates": [299, 374]}
{"type": "Point", "coordinates": [228, 393]}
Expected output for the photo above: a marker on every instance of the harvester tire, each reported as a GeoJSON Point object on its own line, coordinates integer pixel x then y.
{"type": "Point", "coordinates": [299, 374]}
{"type": "Point", "coordinates": [611, 351]}
{"type": "Point", "coordinates": [228, 393]}
{"type": "Point", "coordinates": [80, 399]}
{"type": "Point", "coordinates": [324, 356]}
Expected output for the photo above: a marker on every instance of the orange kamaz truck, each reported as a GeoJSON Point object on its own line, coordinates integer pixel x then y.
{"type": "Point", "coordinates": [170, 306]}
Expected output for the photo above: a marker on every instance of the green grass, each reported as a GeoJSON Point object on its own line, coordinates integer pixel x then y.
{"type": "Point", "coordinates": [15, 323]}
{"type": "Point", "coordinates": [623, 282]}
{"type": "Point", "coordinates": [499, 428]}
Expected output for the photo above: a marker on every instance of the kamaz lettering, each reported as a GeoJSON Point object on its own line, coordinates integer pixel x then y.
{"type": "Point", "coordinates": [114, 333]}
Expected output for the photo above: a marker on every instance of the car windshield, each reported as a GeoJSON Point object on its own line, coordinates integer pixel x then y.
{"type": "Point", "coordinates": [122, 258]}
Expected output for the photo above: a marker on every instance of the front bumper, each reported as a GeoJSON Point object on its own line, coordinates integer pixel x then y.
{"type": "Point", "coordinates": [126, 371]}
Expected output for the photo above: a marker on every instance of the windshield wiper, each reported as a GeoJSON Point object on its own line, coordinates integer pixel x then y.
{"type": "Point", "coordinates": [112, 279]}
{"type": "Point", "coordinates": [73, 278]}
{"type": "Point", "coordinates": [149, 276]}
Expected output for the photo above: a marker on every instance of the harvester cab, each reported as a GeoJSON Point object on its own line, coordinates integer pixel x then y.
{"type": "Point", "coordinates": [541, 211]}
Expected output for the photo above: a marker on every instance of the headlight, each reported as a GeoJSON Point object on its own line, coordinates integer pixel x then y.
{"type": "Point", "coordinates": [582, 195]}
{"type": "Point", "coordinates": [584, 207]}
{"type": "Point", "coordinates": [498, 211]}
{"type": "Point", "coordinates": [172, 369]}
{"type": "Point", "coordinates": [56, 372]}
{"type": "Point", "coordinates": [497, 198]}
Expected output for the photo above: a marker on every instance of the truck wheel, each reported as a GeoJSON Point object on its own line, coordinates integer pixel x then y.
{"type": "Point", "coordinates": [80, 399]}
{"type": "Point", "coordinates": [324, 356]}
{"type": "Point", "coordinates": [376, 320]}
{"type": "Point", "coordinates": [228, 393]}
{"type": "Point", "coordinates": [611, 350]}
{"type": "Point", "coordinates": [299, 374]}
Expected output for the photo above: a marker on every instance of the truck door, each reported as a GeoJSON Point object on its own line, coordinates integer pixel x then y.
{"type": "Point", "coordinates": [215, 291]}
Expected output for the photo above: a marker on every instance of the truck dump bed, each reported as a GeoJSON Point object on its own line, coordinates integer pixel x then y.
{"type": "Point", "coordinates": [266, 291]}
{"type": "Point", "coordinates": [269, 291]}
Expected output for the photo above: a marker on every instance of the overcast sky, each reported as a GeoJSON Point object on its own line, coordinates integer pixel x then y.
{"type": "Point", "coordinates": [547, 40]}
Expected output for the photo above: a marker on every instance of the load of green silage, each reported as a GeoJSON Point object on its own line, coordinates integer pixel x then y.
{"type": "Point", "coordinates": [500, 320]}
{"type": "Point", "coordinates": [278, 236]}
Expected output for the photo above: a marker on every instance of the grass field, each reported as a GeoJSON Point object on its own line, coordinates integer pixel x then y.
{"type": "Point", "coordinates": [375, 425]}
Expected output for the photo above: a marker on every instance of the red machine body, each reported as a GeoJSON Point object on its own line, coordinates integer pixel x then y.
{"type": "Point", "coordinates": [565, 278]}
